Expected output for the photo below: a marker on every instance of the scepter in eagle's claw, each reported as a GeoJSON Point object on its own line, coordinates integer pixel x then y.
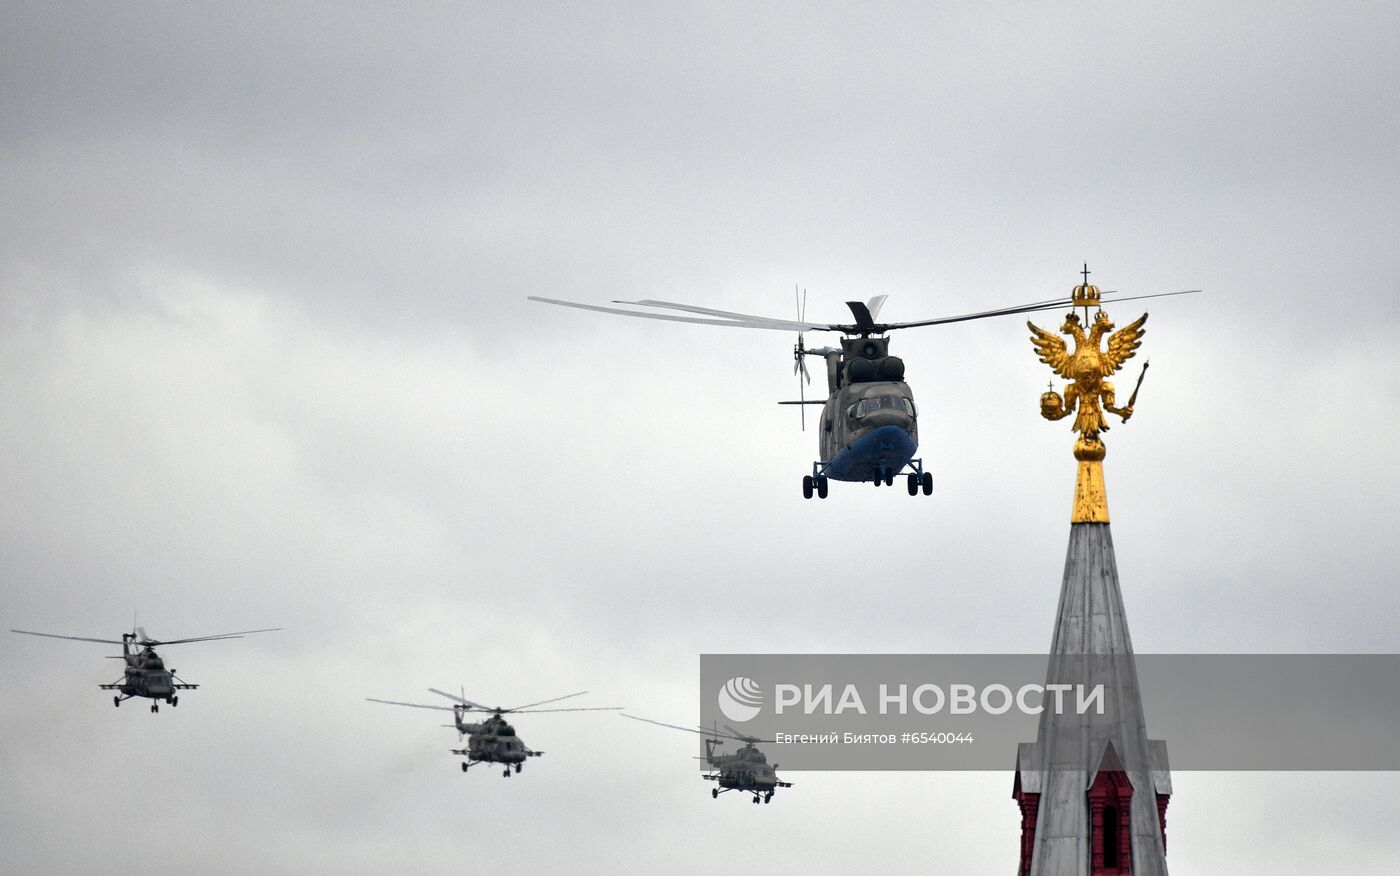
{"type": "Point", "coordinates": [1141, 374]}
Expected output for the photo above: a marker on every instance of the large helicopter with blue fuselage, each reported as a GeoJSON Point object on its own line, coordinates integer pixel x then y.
{"type": "Point", "coordinates": [868, 430]}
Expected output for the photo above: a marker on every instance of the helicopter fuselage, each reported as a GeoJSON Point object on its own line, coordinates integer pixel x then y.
{"type": "Point", "coordinates": [492, 741]}
{"type": "Point", "coordinates": [869, 431]}
{"type": "Point", "coordinates": [746, 771]}
{"type": "Point", "coordinates": [491, 748]}
{"type": "Point", "coordinates": [146, 676]}
{"type": "Point", "coordinates": [144, 673]}
{"type": "Point", "coordinates": [747, 778]}
{"type": "Point", "coordinates": [141, 683]}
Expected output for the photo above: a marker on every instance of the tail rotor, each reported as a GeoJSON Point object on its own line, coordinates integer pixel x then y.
{"type": "Point", "coordinates": [799, 356]}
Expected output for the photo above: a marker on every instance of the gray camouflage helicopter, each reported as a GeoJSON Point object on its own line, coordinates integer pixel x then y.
{"type": "Point", "coordinates": [145, 672]}
{"type": "Point", "coordinates": [745, 770]}
{"type": "Point", "coordinates": [869, 424]}
{"type": "Point", "coordinates": [492, 740]}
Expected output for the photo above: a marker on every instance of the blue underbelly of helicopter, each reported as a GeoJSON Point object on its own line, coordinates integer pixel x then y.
{"type": "Point", "coordinates": [881, 451]}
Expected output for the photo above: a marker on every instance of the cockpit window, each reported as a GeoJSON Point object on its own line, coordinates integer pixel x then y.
{"type": "Point", "coordinates": [870, 405]}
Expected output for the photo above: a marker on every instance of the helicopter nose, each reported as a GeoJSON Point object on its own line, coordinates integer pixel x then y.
{"type": "Point", "coordinates": [889, 437]}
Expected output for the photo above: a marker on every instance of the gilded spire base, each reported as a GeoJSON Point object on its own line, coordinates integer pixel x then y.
{"type": "Point", "coordinates": [1090, 495]}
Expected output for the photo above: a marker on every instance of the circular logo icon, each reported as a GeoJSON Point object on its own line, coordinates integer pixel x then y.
{"type": "Point", "coordinates": [740, 699]}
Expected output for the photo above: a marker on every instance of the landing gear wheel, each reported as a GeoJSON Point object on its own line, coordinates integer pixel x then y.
{"type": "Point", "coordinates": [878, 480]}
{"type": "Point", "coordinates": [755, 800]}
{"type": "Point", "coordinates": [928, 484]}
{"type": "Point", "coordinates": [806, 486]}
{"type": "Point", "coordinates": [714, 792]}
{"type": "Point", "coordinates": [519, 767]}
{"type": "Point", "coordinates": [821, 487]}
{"type": "Point", "coordinates": [117, 702]}
{"type": "Point", "coordinates": [464, 766]}
{"type": "Point", "coordinates": [913, 485]}
{"type": "Point", "coordinates": [506, 773]}
{"type": "Point", "coordinates": [174, 701]}
{"type": "Point", "coordinates": [767, 798]}
{"type": "Point", "coordinates": [889, 480]}
{"type": "Point", "coordinates": [155, 707]}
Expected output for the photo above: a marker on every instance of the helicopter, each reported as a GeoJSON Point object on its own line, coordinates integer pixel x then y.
{"type": "Point", "coordinates": [492, 740]}
{"type": "Point", "coordinates": [745, 770]}
{"type": "Point", "coordinates": [869, 422]}
{"type": "Point", "coordinates": [146, 674]}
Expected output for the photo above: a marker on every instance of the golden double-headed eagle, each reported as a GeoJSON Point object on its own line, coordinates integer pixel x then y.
{"type": "Point", "coordinates": [1086, 368]}
{"type": "Point", "coordinates": [1089, 394]}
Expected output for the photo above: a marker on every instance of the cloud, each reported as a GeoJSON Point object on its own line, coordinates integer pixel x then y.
{"type": "Point", "coordinates": [266, 360]}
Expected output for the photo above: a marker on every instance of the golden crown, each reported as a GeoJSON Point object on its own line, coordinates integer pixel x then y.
{"type": "Point", "coordinates": [1085, 295]}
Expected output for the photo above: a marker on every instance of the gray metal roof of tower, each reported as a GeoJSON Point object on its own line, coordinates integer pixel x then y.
{"type": "Point", "coordinates": [1062, 763]}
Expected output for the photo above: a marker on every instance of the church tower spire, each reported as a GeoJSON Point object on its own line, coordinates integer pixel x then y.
{"type": "Point", "coordinates": [1092, 788]}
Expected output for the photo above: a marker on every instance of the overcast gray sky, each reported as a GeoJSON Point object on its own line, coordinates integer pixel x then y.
{"type": "Point", "coordinates": [266, 360]}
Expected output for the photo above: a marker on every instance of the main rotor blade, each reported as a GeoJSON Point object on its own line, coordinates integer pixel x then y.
{"type": "Point", "coordinates": [410, 705]}
{"type": "Point", "coordinates": [865, 314]}
{"type": "Point", "coordinates": [797, 325]}
{"type": "Point", "coordinates": [1049, 304]}
{"type": "Point", "coordinates": [457, 699]}
{"type": "Point", "coordinates": [758, 323]}
{"type": "Point", "coordinates": [702, 731]}
{"type": "Point", "coordinates": [741, 320]}
{"type": "Point", "coordinates": [1153, 295]}
{"type": "Point", "coordinates": [1052, 304]}
{"type": "Point", "coordinates": [74, 638]}
{"type": "Point", "coordinates": [864, 321]}
{"type": "Point", "coordinates": [144, 641]}
{"type": "Point", "coordinates": [578, 709]}
{"type": "Point", "coordinates": [738, 735]}
{"type": "Point", "coordinates": [542, 702]}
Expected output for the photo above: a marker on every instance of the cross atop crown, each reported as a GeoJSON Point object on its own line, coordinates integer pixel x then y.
{"type": "Point", "coordinates": [1085, 295]}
